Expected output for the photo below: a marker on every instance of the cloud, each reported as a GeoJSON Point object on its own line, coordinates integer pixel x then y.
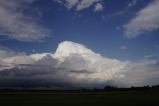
{"type": "Point", "coordinates": [140, 73]}
{"type": "Point", "coordinates": [10, 58]}
{"type": "Point", "coordinates": [71, 3]}
{"type": "Point", "coordinates": [123, 47]}
{"type": "Point", "coordinates": [150, 56]}
{"type": "Point", "coordinates": [74, 66]}
{"type": "Point", "coordinates": [15, 24]}
{"type": "Point", "coordinates": [5, 53]}
{"type": "Point", "coordinates": [132, 3]}
{"type": "Point", "coordinates": [147, 19]}
{"type": "Point", "coordinates": [19, 59]}
{"type": "Point", "coordinates": [81, 4]}
{"type": "Point", "coordinates": [98, 7]}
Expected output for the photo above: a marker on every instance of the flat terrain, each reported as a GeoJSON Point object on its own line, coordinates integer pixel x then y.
{"type": "Point", "coordinates": [68, 98]}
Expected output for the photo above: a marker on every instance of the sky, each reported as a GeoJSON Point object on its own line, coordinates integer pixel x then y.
{"type": "Point", "coordinates": [55, 39]}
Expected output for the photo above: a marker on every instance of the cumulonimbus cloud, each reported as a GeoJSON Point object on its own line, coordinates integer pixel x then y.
{"type": "Point", "coordinates": [146, 20]}
{"type": "Point", "coordinates": [15, 24]}
{"type": "Point", "coordinates": [74, 66]}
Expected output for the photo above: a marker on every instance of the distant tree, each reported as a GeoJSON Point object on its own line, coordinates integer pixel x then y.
{"type": "Point", "coordinates": [110, 88]}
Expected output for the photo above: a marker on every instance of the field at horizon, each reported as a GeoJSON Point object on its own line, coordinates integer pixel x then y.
{"type": "Point", "coordinates": [79, 98]}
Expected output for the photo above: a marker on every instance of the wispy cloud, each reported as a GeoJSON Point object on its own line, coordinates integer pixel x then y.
{"type": "Point", "coordinates": [147, 19]}
{"type": "Point", "coordinates": [132, 3]}
{"type": "Point", "coordinates": [81, 4]}
{"type": "Point", "coordinates": [123, 47]}
{"type": "Point", "coordinates": [98, 7]}
{"type": "Point", "coordinates": [151, 56]}
{"type": "Point", "coordinates": [16, 25]}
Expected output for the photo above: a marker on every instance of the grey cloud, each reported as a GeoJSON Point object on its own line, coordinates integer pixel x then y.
{"type": "Point", "coordinates": [16, 25]}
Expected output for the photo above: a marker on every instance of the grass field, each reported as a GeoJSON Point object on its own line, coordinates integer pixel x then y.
{"type": "Point", "coordinates": [109, 98]}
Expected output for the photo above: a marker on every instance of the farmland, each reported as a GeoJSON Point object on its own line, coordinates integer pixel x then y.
{"type": "Point", "coordinates": [79, 98]}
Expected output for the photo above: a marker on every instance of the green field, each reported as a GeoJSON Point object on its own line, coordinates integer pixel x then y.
{"type": "Point", "coordinates": [109, 98]}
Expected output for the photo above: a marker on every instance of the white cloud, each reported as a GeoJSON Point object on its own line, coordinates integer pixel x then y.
{"type": "Point", "coordinates": [123, 47]}
{"type": "Point", "coordinates": [71, 3]}
{"type": "Point", "coordinates": [19, 59]}
{"type": "Point", "coordinates": [10, 58]}
{"type": "Point", "coordinates": [141, 73]}
{"type": "Point", "coordinates": [4, 53]}
{"type": "Point", "coordinates": [151, 56]}
{"type": "Point", "coordinates": [73, 66]}
{"type": "Point", "coordinates": [81, 4]}
{"type": "Point", "coordinates": [16, 25]}
{"type": "Point", "coordinates": [98, 7]}
{"type": "Point", "coordinates": [85, 4]}
{"type": "Point", "coordinates": [147, 19]}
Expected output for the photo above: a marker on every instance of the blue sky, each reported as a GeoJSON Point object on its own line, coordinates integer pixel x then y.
{"type": "Point", "coordinates": [107, 28]}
